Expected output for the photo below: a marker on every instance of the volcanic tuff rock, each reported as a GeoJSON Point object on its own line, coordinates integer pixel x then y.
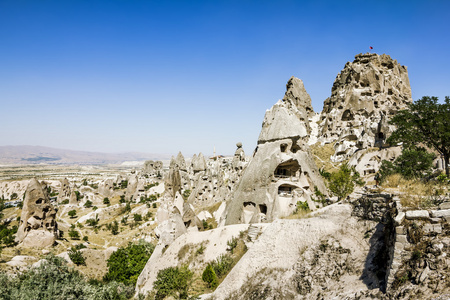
{"type": "Point", "coordinates": [37, 223]}
{"type": "Point", "coordinates": [281, 172]}
{"type": "Point", "coordinates": [152, 168]}
{"type": "Point", "coordinates": [64, 190]}
{"type": "Point", "coordinates": [364, 96]}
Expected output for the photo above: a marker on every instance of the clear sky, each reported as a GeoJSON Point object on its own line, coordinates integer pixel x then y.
{"type": "Point", "coordinates": [164, 76]}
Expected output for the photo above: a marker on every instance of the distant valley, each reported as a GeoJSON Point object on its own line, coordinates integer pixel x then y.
{"type": "Point", "coordinates": [26, 155]}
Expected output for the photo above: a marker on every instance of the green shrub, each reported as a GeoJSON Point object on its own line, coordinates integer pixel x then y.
{"type": "Point", "coordinates": [73, 233]}
{"type": "Point", "coordinates": [302, 206]}
{"type": "Point", "coordinates": [106, 201]}
{"type": "Point", "coordinates": [127, 263]}
{"type": "Point", "coordinates": [342, 182]}
{"type": "Point", "coordinates": [65, 201]}
{"type": "Point", "coordinates": [414, 162]}
{"type": "Point", "coordinates": [137, 217]}
{"type": "Point", "coordinates": [186, 194]}
{"type": "Point", "coordinates": [88, 204]}
{"type": "Point", "coordinates": [93, 221]}
{"type": "Point", "coordinates": [174, 281]}
{"type": "Point", "coordinates": [76, 256]}
{"type": "Point", "coordinates": [232, 244]}
{"type": "Point", "coordinates": [72, 213]}
{"type": "Point", "coordinates": [210, 277]}
{"type": "Point", "coordinates": [115, 228]}
{"type": "Point", "coordinates": [222, 265]}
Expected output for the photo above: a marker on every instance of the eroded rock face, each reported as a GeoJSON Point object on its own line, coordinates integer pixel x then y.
{"type": "Point", "coordinates": [364, 96]}
{"type": "Point", "coordinates": [173, 179]}
{"type": "Point", "coordinates": [152, 168]}
{"type": "Point", "coordinates": [282, 171]}
{"type": "Point", "coordinates": [64, 190]}
{"type": "Point", "coordinates": [38, 227]}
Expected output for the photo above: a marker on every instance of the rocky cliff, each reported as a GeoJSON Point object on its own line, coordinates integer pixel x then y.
{"type": "Point", "coordinates": [364, 96]}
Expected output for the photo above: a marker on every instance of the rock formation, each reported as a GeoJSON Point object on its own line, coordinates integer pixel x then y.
{"type": "Point", "coordinates": [152, 168]}
{"type": "Point", "coordinates": [73, 199]}
{"type": "Point", "coordinates": [364, 96]}
{"type": "Point", "coordinates": [173, 179]}
{"type": "Point", "coordinates": [64, 190]}
{"type": "Point", "coordinates": [281, 172]}
{"type": "Point", "coordinates": [38, 227]}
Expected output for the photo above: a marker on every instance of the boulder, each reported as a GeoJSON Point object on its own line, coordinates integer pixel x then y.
{"type": "Point", "coordinates": [417, 215]}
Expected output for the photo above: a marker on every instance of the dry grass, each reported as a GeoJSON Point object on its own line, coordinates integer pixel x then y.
{"type": "Point", "coordinates": [413, 193]}
{"type": "Point", "coordinates": [213, 208]}
{"type": "Point", "coordinates": [321, 156]}
{"type": "Point", "coordinates": [300, 214]}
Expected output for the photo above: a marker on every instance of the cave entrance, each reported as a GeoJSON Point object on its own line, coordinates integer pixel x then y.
{"type": "Point", "coordinates": [287, 169]}
{"type": "Point", "coordinates": [286, 190]}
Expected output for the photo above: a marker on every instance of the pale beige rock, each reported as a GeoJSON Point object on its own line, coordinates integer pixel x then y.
{"type": "Point", "coordinates": [364, 96]}
{"type": "Point", "coordinates": [282, 171]}
{"type": "Point", "coordinates": [64, 190]}
{"type": "Point", "coordinates": [37, 227]}
{"type": "Point", "coordinates": [214, 242]}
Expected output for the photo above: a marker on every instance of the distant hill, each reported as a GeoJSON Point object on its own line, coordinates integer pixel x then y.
{"type": "Point", "coordinates": [12, 155]}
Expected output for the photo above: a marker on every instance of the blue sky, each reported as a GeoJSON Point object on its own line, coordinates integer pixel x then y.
{"type": "Point", "coordinates": [164, 76]}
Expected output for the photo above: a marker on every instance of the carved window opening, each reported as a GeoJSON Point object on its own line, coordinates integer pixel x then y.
{"type": "Point", "coordinates": [283, 147]}
{"type": "Point", "coordinates": [246, 204]}
{"type": "Point", "coordinates": [347, 116]}
{"type": "Point", "coordinates": [287, 169]}
{"type": "Point", "coordinates": [263, 208]}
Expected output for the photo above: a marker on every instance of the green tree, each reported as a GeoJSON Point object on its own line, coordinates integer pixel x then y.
{"type": "Point", "coordinates": [425, 121]}
{"type": "Point", "coordinates": [174, 281]}
{"type": "Point", "coordinates": [115, 228]}
{"type": "Point", "coordinates": [88, 204]}
{"type": "Point", "coordinates": [137, 217]}
{"type": "Point", "coordinates": [342, 183]}
{"type": "Point", "coordinates": [73, 233]}
{"type": "Point", "coordinates": [106, 201]}
{"type": "Point", "coordinates": [127, 263]}
{"type": "Point", "coordinates": [72, 213]}
{"type": "Point", "coordinates": [210, 277]}
{"type": "Point", "coordinates": [76, 257]}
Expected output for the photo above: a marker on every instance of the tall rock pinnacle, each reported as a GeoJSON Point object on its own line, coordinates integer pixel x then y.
{"type": "Point", "coordinates": [282, 171]}
{"type": "Point", "coordinates": [364, 96]}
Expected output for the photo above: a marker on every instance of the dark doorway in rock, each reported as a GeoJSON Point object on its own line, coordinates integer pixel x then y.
{"type": "Point", "coordinates": [287, 169]}
{"type": "Point", "coordinates": [263, 208]}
